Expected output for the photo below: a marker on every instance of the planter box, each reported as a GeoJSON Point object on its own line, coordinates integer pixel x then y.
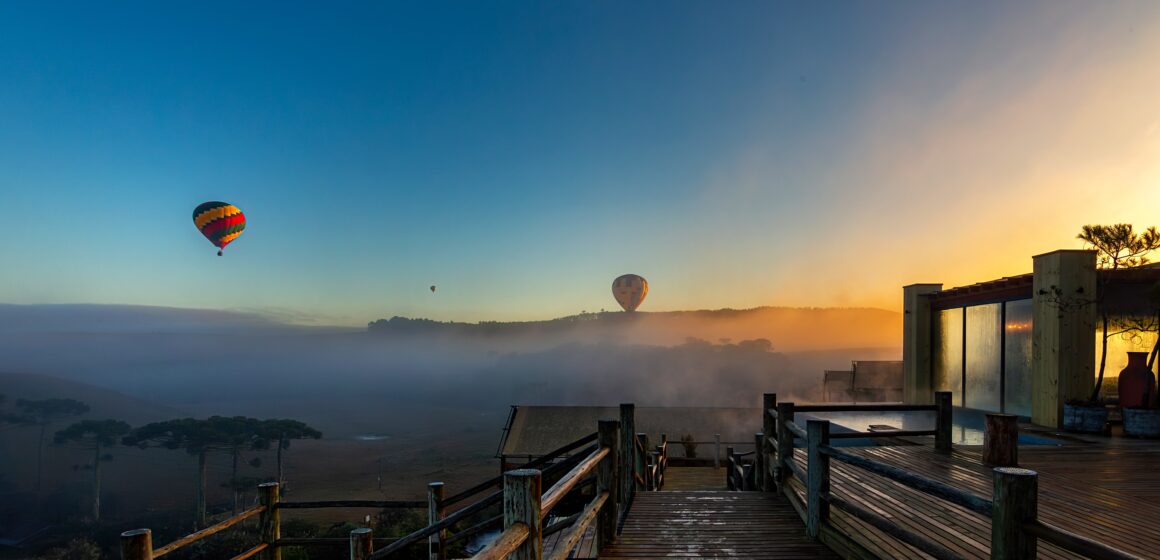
{"type": "Point", "coordinates": [1142, 422]}
{"type": "Point", "coordinates": [1084, 418]}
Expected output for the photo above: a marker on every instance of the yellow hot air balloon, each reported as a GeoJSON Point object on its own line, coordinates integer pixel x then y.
{"type": "Point", "coordinates": [629, 291]}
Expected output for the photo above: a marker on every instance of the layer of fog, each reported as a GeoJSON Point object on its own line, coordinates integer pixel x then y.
{"type": "Point", "coordinates": [354, 382]}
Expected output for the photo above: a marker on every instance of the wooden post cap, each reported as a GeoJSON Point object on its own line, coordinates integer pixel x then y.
{"type": "Point", "coordinates": [1015, 471]}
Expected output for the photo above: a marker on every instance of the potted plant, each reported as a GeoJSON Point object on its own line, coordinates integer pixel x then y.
{"type": "Point", "coordinates": [1117, 246]}
{"type": "Point", "coordinates": [1138, 389]}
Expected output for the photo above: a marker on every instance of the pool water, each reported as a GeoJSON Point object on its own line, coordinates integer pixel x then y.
{"type": "Point", "coordinates": [966, 426]}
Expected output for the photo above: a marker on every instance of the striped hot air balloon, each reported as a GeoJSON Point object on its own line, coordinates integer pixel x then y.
{"type": "Point", "coordinates": [219, 222]}
{"type": "Point", "coordinates": [629, 291]}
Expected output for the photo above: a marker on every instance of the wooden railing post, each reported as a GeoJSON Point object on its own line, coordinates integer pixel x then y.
{"type": "Point", "coordinates": [608, 434]}
{"type": "Point", "coordinates": [768, 428]}
{"type": "Point", "coordinates": [758, 462]}
{"type": "Point", "coordinates": [784, 445]}
{"type": "Point", "coordinates": [1015, 497]}
{"type": "Point", "coordinates": [642, 461]}
{"type": "Point", "coordinates": [1000, 440]}
{"type": "Point", "coordinates": [437, 543]}
{"type": "Point", "coordinates": [270, 520]}
{"type": "Point", "coordinates": [521, 504]}
{"type": "Point", "coordinates": [627, 462]}
{"type": "Point", "coordinates": [362, 544]}
{"type": "Point", "coordinates": [137, 545]}
{"type": "Point", "coordinates": [818, 472]}
{"type": "Point", "coordinates": [943, 421]}
{"type": "Point", "coordinates": [729, 468]}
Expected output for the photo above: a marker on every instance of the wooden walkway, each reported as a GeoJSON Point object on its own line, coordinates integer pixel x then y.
{"type": "Point", "coordinates": [717, 524]}
{"type": "Point", "coordinates": [1104, 492]}
{"type": "Point", "coordinates": [688, 479]}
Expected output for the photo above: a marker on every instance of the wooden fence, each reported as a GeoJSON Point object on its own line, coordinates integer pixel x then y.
{"type": "Point", "coordinates": [526, 507]}
{"type": "Point", "coordinates": [571, 467]}
{"type": "Point", "coordinates": [1013, 510]}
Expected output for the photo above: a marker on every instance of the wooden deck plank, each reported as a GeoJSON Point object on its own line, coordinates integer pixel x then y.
{"type": "Point", "coordinates": [687, 479]}
{"type": "Point", "coordinates": [716, 524]}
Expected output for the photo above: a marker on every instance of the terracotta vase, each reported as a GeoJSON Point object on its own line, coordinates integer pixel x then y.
{"type": "Point", "coordinates": [1136, 382]}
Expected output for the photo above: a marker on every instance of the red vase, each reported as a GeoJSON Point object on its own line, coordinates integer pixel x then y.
{"type": "Point", "coordinates": [1136, 382]}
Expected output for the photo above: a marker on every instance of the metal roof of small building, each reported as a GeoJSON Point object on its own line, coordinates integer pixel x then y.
{"type": "Point", "coordinates": [536, 430]}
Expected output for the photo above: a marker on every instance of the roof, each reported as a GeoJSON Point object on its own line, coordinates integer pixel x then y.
{"type": "Point", "coordinates": [537, 430]}
{"type": "Point", "coordinates": [1004, 289]}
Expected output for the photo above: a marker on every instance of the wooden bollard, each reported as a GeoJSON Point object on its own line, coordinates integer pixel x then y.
{"type": "Point", "coordinates": [641, 454]}
{"type": "Point", "coordinates": [818, 473]}
{"type": "Point", "coordinates": [436, 544]}
{"type": "Point", "coordinates": [729, 468]}
{"type": "Point", "coordinates": [137, 545]}
{"type": "Point", "coordinates": [521, 504]}
{"type": "Point", "coordinates": [270, 521]}
{"type": "Point", "coordinates": [758, 461]}
{"type": "Point", "coordinates": [1001, 441]}
{"type": "Point", "coordinates": [1016, 495]}
{"type": "Point", "coordinates": [784, 445]}
{"type": "Point", "coordinates": [769, 429]}
{"type": "Point", "coordinates": [628, 450]}
{"type": "Point", "coordinates": [362, 544]}
{"type": "Point", "coordinates": [608, 434]}
{"type": "Point", "coordinates": [943, 421]}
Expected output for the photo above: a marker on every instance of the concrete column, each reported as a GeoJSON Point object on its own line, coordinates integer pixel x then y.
{"type": "Point", "coordinates": [916, 343]}
{"type": "Point", "coordinates": [1063, 347]}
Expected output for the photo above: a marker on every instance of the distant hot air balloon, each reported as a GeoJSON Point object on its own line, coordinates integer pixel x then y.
{"type": "Point", "coordinates": [432, 289]}
{"type": "Point", "coordinates": [219, 222]}
{"type": "Point", "coordinates": [629, 291]}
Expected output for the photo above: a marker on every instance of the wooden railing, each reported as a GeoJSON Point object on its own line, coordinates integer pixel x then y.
{"type": "Point", "coordinates": [1013, 510]}
{"type": "Point", "coordinates": [526, 508]}
{"type": "Point", "coordinates": [658, 461]}
{"type": "Point", "coordinates": [138, 544]}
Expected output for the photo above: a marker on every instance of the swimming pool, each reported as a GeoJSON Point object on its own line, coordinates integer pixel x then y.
{"type": "Point", "coordinates": [966, 426]}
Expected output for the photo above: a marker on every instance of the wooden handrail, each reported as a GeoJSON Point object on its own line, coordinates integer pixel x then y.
{"type": "Point", "coordinates": [448, 521]}
{"type": "Point", "coordinates": [507, 543]}
{"type": "Point", "coordinates": [865, 408]}
{"type": "Point", "coordinates": [496, 481]}
{"type": "Point", "coordinates": [477, 528]}
{"type": "Point", "coordinates": [194, 537]}
{"type": "Point", "coordinates": [1075, 543]}
{"type": "Point", "coordinates": [377, 504]}
{"type": "Point", "coordinates": [565, 484]}
{"type": "Point", "coordinates": [586, 518]}
{"type": "Point", "coordinates": [324, 541]}
{"type": "Point", "coordinates": [893, 529]}
{"type": "Point", "coordinates": [795, 430]}
{"type": "Point", "coordinates": [252, 552]}
{"type": "Point", "coordinates": [889, 433]}
{"type": "Point", "coordinates": [920, 483]}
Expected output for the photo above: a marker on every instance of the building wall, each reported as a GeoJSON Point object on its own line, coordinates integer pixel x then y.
{"type": "Point", "coordinates": [1063, 341]}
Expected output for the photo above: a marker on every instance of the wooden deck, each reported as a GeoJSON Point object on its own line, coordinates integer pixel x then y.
{"type": "Point", "coordinates": [1104, 491]}
{"type": "Point", "coordinates": [688, 479]}
{"type": "Point", "coordinates": [585, 549]}
{"type": "Point", "coordinates": [717, 524]}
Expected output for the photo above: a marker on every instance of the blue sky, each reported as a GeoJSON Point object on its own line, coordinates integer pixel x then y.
{"type": "Point", "coordinates": [521, 155]}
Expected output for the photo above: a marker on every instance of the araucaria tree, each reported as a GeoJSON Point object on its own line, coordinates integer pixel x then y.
{"type": "Point", "coordinates": [42, 413]}
{"type": "Point", "coordinates": [96, 435]}
{"type": "Point", "coordinates": [1117, 246]}
{"type": "Point", "coordinates": [196, 437]}
{"type": "Point", "coordinates": [283, 431]}
{"type": "Point", "coordinates": [233, 435]}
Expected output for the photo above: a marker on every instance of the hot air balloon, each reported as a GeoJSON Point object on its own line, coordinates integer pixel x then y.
{"type": "Point", "coordinates": [219, 222]}
{"type": "Point", "coordinates": [432, 289]}
{"type": "Point", "coordinates": [629, 291]}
